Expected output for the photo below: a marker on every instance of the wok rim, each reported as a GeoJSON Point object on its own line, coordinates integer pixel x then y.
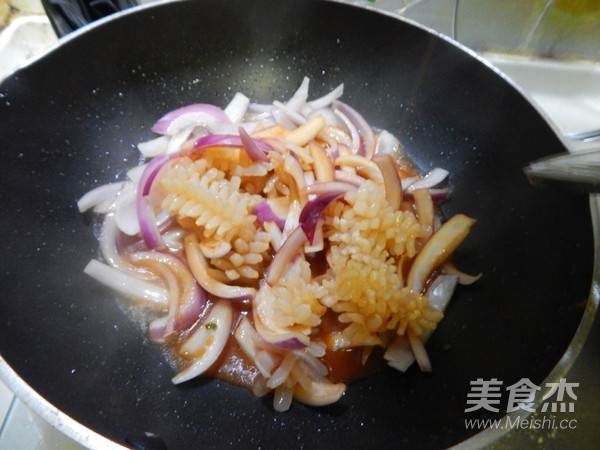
{"type": "Point", "coordinates": [89, 438]}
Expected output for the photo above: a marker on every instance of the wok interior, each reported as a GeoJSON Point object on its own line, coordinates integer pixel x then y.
{"type": "Point", "coordinates": [71, 122]}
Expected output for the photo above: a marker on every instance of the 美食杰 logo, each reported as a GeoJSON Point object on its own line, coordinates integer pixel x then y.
{"type": "Point", "coordinates": [488, 394]}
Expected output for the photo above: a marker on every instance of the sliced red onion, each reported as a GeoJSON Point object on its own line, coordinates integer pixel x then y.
{"type": "Point", "coordinates": [364, 129]}
{"type": "Point", "coordinates": [289, 249]}
{"type": "Point", "coordinates": [433, 178]}
{"type": "Point", "coordinates": [99, 195]}
{"type": "Point", "coordinates": [264, 213]}
{"type": "Point", "coordinates": [191, 299]}
{"type": "Point", "coordinates": [439, 195]}
{"type": "Point", "coordinates": [198, 114]}
{"type": "Point", "coordinates": [145, 214]}
{"type": "Point", "coordinates": [313, 211]}
{"type": "Point", "coordinates": [291, 344]}
{"type": "Point", "coordinates": [147, 220]}
{"type": "Point", "coordinates": [206, 344]}
{"type": "Point", "coordinates": [224, 140]}
{"type": "Point", "coordinates": [357, 145]}
{"type": "Point", "coordinates": [331, 187]}
{"type": "Point", "coordinates": [255, 151]}
{"type": "Point", "coordinates": [126, 283]}
{"type": "Point", "coordinates": [150, 173]}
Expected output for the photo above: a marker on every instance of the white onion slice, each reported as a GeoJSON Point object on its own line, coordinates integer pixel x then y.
{"type": "Point", "coordinates": [247, 338]}
{"type": "Point", "coordinates": [154, 147]}
{"type": "Point", "coordinates": [290, 114]}
{"type": "Point", "coordinates": [327, 99]}
{"type": "Point", "coordinates": [125, 211]}
{"type": "Point", "coordinates": [207, 342]}
{"type": "Point", "coordinates": [433, 178]}
{"type": "Point", "coordinates": [104, 193]}
{"type": "Point", "coordinates": [387, 144]}
{"type": "Point", "coordinates": [298, 100]}
{"type": "Point", "coordinates": [126, 283]}
{"type": "Point", "coordinates": [237, 107]}
{"type": "Point", "coordinates": [418, 349]}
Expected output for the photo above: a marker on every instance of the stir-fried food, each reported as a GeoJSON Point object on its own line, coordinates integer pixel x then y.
{"type": "Point", "coordinates": [286, 247]}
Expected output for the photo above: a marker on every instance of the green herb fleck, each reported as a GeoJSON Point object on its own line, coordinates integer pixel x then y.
{"type": "Point", "coordinates": [211, 326]}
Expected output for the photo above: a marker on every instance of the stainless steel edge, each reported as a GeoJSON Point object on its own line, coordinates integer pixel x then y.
{"type": "Point", "coordinates": [62, 422]}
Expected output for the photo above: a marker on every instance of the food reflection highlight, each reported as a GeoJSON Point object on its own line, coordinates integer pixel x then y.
{"type": "Point", "coordinates": [285, 247]}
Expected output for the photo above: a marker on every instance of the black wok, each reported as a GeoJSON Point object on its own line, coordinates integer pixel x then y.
{"type": "Point", "coordinates": [70, 121]}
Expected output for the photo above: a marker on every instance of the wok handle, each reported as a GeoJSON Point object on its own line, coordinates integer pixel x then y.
{"type": "Point", "coordinates": [69, 15]}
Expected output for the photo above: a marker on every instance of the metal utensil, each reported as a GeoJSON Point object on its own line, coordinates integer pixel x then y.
{"type": "Point", "coordinates": [577, 171]}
